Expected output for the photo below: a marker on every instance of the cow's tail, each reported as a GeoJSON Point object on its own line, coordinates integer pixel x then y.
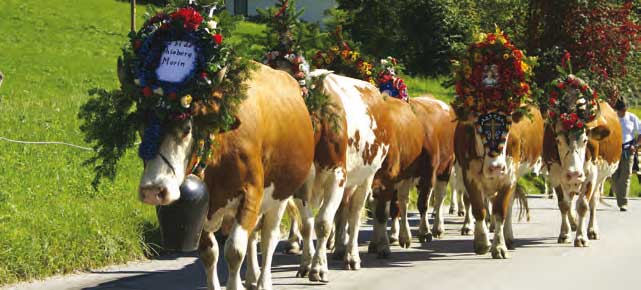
{"type": "Point", "coordinates": [520, 195]}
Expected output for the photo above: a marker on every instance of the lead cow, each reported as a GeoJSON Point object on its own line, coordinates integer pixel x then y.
{"type": "Point", "coordinates": [492, 172]}
{"type": "Point", "coordinates": [257, 166]}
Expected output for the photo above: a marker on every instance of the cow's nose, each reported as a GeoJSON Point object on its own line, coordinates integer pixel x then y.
{"type": "Point", "coordinates": [574, 175]}
{"type": "Point", "coordinates": [154, 195]}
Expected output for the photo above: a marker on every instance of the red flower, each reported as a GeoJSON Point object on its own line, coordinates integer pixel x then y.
{"type": "Point", "coordinates": [552, 114]}
{"type": "Point", "coordinates": [561, 85]}
{"type": "Point", "coordinates": [190, 18]}
{"type": "Point", "coordinates": [218, 38]}
{"type": "Point", "coordinates": [574, 117]}
{"type": "Point", "coordinates": [552, 101]}
{"type": "Point", "coordinates": [147, 92]}
{"type": "Point", "coordinates": [579, 124]}
{"type": "Point", "coordinates": [203, 75]}
{"type": "Point", "coordinates": [565, 59]}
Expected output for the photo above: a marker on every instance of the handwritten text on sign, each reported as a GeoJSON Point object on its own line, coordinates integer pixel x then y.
{"type": "Point", "coordinates": [177, 62]}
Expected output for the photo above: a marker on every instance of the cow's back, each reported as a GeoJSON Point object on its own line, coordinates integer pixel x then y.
{"type": "Point", "coordinates": [362, 103]}
{"type": "Point", "coordinates": [439, 123]}
{"type": "Point", "coordinates": [525, 142]}
{"type": "Point", "coordinates": [274, 133]}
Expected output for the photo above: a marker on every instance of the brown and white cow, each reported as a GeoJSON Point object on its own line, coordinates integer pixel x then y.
{"type": "Point", "coordinates": [401, 170]}
{"type": "Point", "coordinates": [490, 171]}
{"type": "Point", "coordinates": [579, 166]}
{"type": "Point", "coordinates": [256, 167]}
{"type": "Point", "coordinates": [364, 115]}
{"type": "Point", "coordinates": [433, 169]}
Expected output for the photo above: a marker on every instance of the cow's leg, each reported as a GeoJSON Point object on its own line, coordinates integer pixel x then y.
{"type": "Point", "coordinates": [507, 228]}
{"type": "Point", "coordinates": [295, 238]}
{"type": "Point", "coordinates": [270, 235]}
{"type": "Point", "coordinates": [425, 188]}
{"type": "Point", "coordinates": [208, 249]}
{"type": "Point", "coordinates": [405, 235]}
{"type": "Point", "coordinates": [440, 190]}
{"type": "Point", "coordinates": [307, 218]}
{"type": "Point", "coordinates": [253, 267]}
{"type": "Point", "coordinates": [340, 227]}
{"type": "Point", "coordinates": [477, 199]}
{"type": "Point", "coordinates": [571, 217]}
{"type": "Point", "coordinates": [581, 239]}
{"type": "Point", "coordinates": [379, 238]}
{"type": "Point", "coordinates": [357, 201]}
{"type": "Point", "coordinates": [395, 214]}
{"type": "Point", "coordinates": [499, 217]}
{"type": "Point", "coordinates": [236, 244]}
{"type": "Point", "coordinates": [462, 207]}
{"type": "Point", "coordinates": [335, 187]}
{"type": "Point", "coordinates": [489, 217]}
{"type": "Point", "coordinates": [593, 227]}
{"type": "Point", "coordinates": [564, 201]}
{"type": "Point", "coordinates": [454, 205]}
{"type": "Point", "coordinates": [466, 230]}
{"type": "Point", "coordinates": [331, 240]}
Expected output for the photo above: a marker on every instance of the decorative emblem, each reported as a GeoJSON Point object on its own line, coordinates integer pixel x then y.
{"type": "Point", "coordinates": [493, 128]}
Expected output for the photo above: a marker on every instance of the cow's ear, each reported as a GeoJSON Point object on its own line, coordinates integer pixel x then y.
{"type": "Point", "coordinates": [517, 116]}
{"type": "Point", "coordinates": [599, 133]}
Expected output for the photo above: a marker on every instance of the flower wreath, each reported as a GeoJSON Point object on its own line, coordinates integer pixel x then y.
{"type": "Point", "coordinates": [571, 101]}
{"type": "Point", "coordinates": [388, 81]}
{"type": "Point", "coordinates": [493, 76]}
{"type": "Point", "coordinates": [176, 67]}
{"type": "Point", "coordinates": [343, 60]}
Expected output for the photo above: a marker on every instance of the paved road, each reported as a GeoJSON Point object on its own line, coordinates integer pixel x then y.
{"type": "Point", "coordinates": [614, 262]}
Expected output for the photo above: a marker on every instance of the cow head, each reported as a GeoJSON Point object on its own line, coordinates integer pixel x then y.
{"type": "Point", "coordinates": [573, 149]}
{"type": "Point", "coordinates": [492, 132]}
{"type": "Point", "coordinates": [165, 169]}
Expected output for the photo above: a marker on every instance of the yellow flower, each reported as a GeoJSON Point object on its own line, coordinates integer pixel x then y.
{"type": "Point", "coordinates": [478, 57]}
{"type": "Point", "coordinates": [334, 48]}
{"type": "Point", "coordinates": [186, 101]}
{"type": "Point", "coordinates": [469, 100]}
{"type": "Point", "coordinates": [355, 56]}
{"type": "Point", "coordinates": [480, 37]}
{"type": "Point", "coordinates": [526, 68]}
{"type": "Point", "coordinates": [506, 56]}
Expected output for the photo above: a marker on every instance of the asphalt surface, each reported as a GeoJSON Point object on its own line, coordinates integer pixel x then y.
{"type": "Point", "coordinates": [614, 262]}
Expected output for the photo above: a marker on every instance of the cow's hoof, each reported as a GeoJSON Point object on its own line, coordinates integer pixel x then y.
{"type": "Point", "coordinates": [580, 242]}
{"type": "Point", "coordinates": [292, 248]}
{"type": "Point", "coordinates": [481, 249]}
{"type": "Point", "coordinates": [405, 242]}
{"type": "Point", "coordinates": [372, 248]}
{"type": "Point", "coordinates": [500, 252]}
{"type": "Point", "coordinates": [352, 264]}
{"type": "Point", "coordinates": [593, 235]}
{"type": "Point", "coordinates": [393, 241]}
{"type": "Point", "coordinates": [384, 253]}
{"type": "Point", "coordinates": [509, 244]}
{"type": "Point", "coordinates": [465, 231]}
{"type": "Point", "coordinates": [437, 232]}
{"type": "Point", "coordinates": [461, 213]}
{"type": "Point", "coordinates": [563, 239]}
{"type": "Point", "coordinates": [425, 238]}
{"type": "Point", "coordinates": [302, 272]}
{"type": "Point", "coordinates": [251, 287]}
{"type": "Point", "coordinates": [318, 276]}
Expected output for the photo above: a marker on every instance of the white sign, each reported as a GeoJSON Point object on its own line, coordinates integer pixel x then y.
{"type": "Point", "coordinates": [177, 62]}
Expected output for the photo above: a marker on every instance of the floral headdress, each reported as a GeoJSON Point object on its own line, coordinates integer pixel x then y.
{"type": "Point", "coordinates": [571, 101]}
{"type": "Point", "coordinates": [387, 80]}
{"type": "Point", "coordinates": [493, 76]}
{"type": "Point", "coordinates": [176, 67]}
{"type": "Point", "coordinates": [341, 59]}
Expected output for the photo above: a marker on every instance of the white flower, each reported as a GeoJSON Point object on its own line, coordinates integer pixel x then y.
{"type": "Point", "coordinates": [301, 82]}
{"type": "Point", "coordinates": [137, 82]}
{"type": "Point", "coordinates": [580, 101]}
{"type": "Point", "coordinates": [383, 62]}
{"type": "Point", "coordinates": [211, 24]}
{"type": "Point", "coordinates": [159, 91]}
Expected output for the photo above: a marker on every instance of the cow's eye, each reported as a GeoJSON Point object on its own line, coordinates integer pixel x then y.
{"type": "Point", "coordinates": [186, 130]}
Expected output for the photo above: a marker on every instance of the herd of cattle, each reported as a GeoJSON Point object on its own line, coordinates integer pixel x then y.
{"type": "Point", "coordinates": [381, 148]}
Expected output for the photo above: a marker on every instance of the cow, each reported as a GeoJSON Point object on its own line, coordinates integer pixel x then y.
{"type": "Point", "coordinates": [433, 169]}
{"type": "Point", "coordinates": [255, 168]}
{"type": "Point", "coordinates": [490, 169]}
{"type": "Point", "coordinates": [401, 170]}
{"type": "Point", "coordinates": [579, 166]}
{"type": "Point", "coordinates": [364, 116]}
